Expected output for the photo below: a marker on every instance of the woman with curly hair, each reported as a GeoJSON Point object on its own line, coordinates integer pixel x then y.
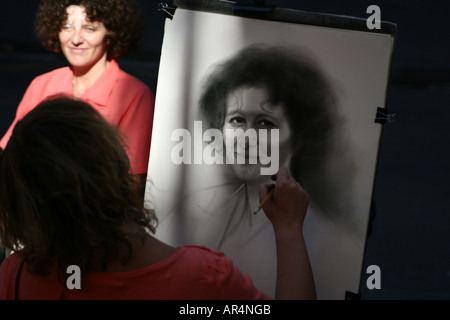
{"type": "Point", "coordinates": [92, 35]}
{"type": "Point", "coordinates": [67, 199]}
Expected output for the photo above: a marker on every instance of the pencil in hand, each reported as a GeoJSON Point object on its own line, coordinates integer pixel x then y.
{"type": "Point", "coordinates": [267, 197]}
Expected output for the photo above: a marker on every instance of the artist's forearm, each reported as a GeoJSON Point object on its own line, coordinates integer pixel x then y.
{"type": "Point", "coordinates": [294, 274]}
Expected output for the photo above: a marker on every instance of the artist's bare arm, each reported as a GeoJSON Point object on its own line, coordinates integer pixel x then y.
{"type": "Point", "coordinates": [286, 210]}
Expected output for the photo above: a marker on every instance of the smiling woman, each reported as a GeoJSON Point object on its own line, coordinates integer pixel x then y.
{"type": "Point", "coordinates": [92, 35]}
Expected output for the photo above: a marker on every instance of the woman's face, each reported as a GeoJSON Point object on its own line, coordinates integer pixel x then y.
{"type": "Point", "coordinates": [82, 41]}
{"type": "Point", "coordinates": [250, 108]}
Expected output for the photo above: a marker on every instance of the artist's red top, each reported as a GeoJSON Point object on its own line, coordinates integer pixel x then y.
{"type": "Point", "coordinates": [192, 273]}
{"type": "Point", "coordinates": [122, 99]}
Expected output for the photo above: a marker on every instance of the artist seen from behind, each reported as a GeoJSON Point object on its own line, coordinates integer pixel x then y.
{"type": "Point", "coordinates": [67, 198]}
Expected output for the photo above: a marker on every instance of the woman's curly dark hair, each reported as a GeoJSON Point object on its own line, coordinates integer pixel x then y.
{"type": "Point", "coordinates": [66, 190]}
{"type": "Point", "coordinates": [122, 18]}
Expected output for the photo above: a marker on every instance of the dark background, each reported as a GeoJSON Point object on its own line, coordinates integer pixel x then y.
{"type": "Point", "coordinates": [410, 233]}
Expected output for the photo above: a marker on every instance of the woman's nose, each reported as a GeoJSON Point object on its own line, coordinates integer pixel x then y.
{"type": "Point", "coordinates": [248, 138]}
{"type": "Point", "coordinates": [77, 37]}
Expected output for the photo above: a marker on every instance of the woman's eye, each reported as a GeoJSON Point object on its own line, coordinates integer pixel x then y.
{"type": "Point", "coordinates": [68, 27]}
{"type": "Point", "coordinates": [267, 124]}
{"type": "Point", "coordinates": [236, 121]}
{"type": "Point", "coordinates": [90, 29]}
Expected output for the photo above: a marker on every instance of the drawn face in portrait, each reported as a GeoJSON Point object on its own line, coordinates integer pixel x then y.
{"type": "Point", "coordinates": [249, 107]}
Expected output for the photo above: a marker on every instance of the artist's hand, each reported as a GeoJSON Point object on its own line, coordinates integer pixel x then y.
{"type": "Point", "coordinates": [289, 203]}
{"type": "Point", "coordinates": [286, 210]}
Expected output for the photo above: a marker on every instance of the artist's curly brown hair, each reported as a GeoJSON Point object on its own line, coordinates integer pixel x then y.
{"type": "Point", "coordinates": [66, 189]}
{"type": "Point", "coordinates": [122, 18]}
